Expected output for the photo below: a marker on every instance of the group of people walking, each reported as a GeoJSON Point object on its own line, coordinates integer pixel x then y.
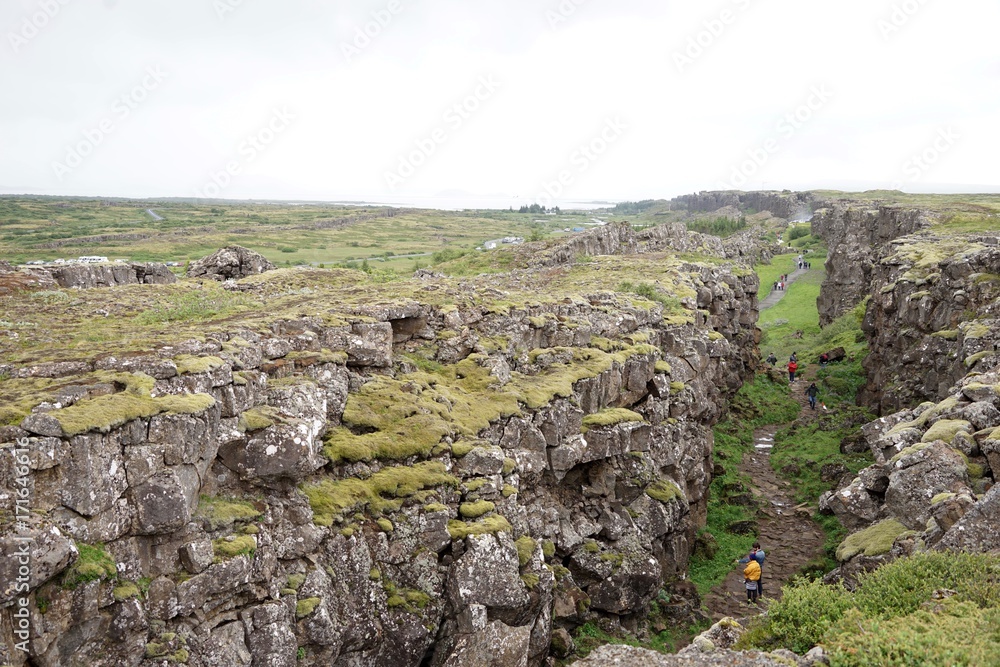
{"type": "Point", "coordinates": [812, 392]}
{"type": "Point", "coordinates": [753, 573]}
{"type": "Point", "coordinates": [802, 263]}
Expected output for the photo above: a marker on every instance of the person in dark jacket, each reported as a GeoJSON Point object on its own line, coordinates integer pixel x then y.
{"type": "Point", "coordinates": [771, 359]}
{"type": "Point", "coordinates": [812, 392]}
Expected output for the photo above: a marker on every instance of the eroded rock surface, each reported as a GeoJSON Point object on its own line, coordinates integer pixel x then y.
{"type": "Point", "coordinates": [381, 482]}
{"type": "Point", "coordinates": [230, 263]}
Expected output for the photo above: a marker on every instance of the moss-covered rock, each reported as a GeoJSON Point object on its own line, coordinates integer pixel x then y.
{"type": "Point", "coordinates": [946, 429]}
{"type": "Point", "coordinates": [610, 417]}
{"type": "Point", "coordinates": [492, 524]}
{"type": "Point", "coordinates": [306, 607]}
{"type": "Point", "coordinates": [384, 491]}
{"type": "Point", "coordinates": [872, 541]}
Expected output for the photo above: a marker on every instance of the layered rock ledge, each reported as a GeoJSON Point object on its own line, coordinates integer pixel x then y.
{"type": "Point", "coordinates": [427, 472]}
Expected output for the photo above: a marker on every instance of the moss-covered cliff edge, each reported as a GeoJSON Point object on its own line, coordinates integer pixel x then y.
{"type": "Point", "coordinates": [310, 467]}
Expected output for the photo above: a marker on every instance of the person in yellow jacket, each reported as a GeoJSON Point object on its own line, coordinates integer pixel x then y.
{"type": "Point", "coordinates": [751, 578]}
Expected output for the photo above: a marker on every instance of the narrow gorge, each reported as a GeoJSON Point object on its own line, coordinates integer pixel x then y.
{"type": "Point", "coordinates": [325, 469]}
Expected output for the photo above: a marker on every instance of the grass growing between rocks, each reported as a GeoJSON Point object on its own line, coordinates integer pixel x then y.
{"type": "Point", "coordinates": [662, 639]}
{"type": "Point", "coordinates": [94, 564]}
{"type": "Point", "coordinates": [760, 403]}
{"type": "Point", "coordinates": [384, 491]}
{"type": "Point", "coordinates": [930, 609]}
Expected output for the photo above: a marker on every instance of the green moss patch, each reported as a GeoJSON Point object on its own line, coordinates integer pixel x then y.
{"type": "Point", "coordinates": [872, 541]}
{"type": "Point", "coordinates": [383, 491]}
{"type": "Point", "coordinates": [190, 364]}
{"type": "Point", "coordinates": [306, 607]}
{"type": "Point", "coordinates": [946, 429]}
{"type": "Point", "coordinates": [665, 491]}
{"type": "Point", "coordinates": [979, 356]}
{"type": "Point", "coordinates": [228, 548]}
{"type": "Point", "coordinates": [395, 419]}
{"type": "Point", "coordinates": [224, 512]}
{"type": "Point", "coordinates": [94, 564]}
{"type": "Point", "coordinates": [257, 419]}
{"type": "Point", "coordinates": [610, 417]}
{"type": "Point", "coordinates": [491, 525]}
{"type": "Point", "coordinates": [525, 549]}
{"type": "Point", "coordinates": [125, 591]}
{"type": "Point", "coordinates": [106, 412]}
{"type": "Point", "coordinates": [474, 510]}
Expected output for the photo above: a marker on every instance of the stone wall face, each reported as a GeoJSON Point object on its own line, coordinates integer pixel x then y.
{"type": "Point", "coordinates": [923, 324]}
{"type": "Point", "coordinates": [855, 237]}
{"type": "Point", "coordinates": [786, 205]}
{"type": "Point", "coordinates": [933, 372]}
{"type": "Point", "coordinates": [228, 514]}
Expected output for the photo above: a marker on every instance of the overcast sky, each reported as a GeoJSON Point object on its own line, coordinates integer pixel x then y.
{"type": "Point", "coordinates": [579, 99]}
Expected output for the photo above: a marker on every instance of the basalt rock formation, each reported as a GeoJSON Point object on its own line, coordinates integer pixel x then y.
{"type": "Point", "coordinates": [89, 276]}
{"type": "Point", "coordinates": [788, 205]}
{"type": "Point", "coordinates": [82, 276]}
{"type": "Point", "coordinates": [436, 472]}
{"type": "Point", "coordinates": [933, 369]}
{"type": "Point", "coordinates": [230, 263]}
{"type": "Point", "coordinates": [856, 236]}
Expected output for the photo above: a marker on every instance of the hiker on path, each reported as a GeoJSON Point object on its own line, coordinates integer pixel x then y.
{"type": "Point", "coordinates": [756, 554]}
{"type": "Point", "coordinates": [824, 359]}
{"type": "Point", "coordinates": [771, 359]}
{"type": "Point", "coordinates": [792, 367]}
{"type": "Point", "coordinates": [812, 392]}
{"type": "Point", "coordinates": [751, 579]}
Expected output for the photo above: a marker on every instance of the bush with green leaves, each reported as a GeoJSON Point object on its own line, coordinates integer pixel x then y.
{"type": "Point", "coordinates": [930, 609]}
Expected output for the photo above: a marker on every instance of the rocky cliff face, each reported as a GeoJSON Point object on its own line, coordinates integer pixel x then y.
{"type": "Point", "coordinates": [856, 236]}
{"type": "Point", "coordinates": [788, 205]}
{"type": "Point", "coordinates": [82, 276]}
{"type": "Point", "coordinates": [931, 316]}
{"type": "Point", "coordinates": [443, 472]}
{"type": "Point", "coordinates": [934, 372]}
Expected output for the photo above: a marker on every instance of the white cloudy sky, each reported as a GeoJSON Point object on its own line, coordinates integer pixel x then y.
{"type": "Point", "coordinates": [927, 86]}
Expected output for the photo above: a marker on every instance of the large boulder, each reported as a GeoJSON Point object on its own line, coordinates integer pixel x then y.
{"type": "Point", "coordinates": [919, 476]}
{"type": "Point", "coordinates": [230, 263]}
{"type": "Point", "coordinates": [977, 529]}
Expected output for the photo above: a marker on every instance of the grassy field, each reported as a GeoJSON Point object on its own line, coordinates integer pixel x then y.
{"type": "Point", "coordinates": [49, 228]}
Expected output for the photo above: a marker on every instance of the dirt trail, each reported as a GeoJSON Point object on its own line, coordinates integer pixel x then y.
{"type": "Point", "coordinates": [788, 535]}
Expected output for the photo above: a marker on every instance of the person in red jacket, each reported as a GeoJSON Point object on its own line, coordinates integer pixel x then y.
{"type": "Point", "coordinates": [792, 368]}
